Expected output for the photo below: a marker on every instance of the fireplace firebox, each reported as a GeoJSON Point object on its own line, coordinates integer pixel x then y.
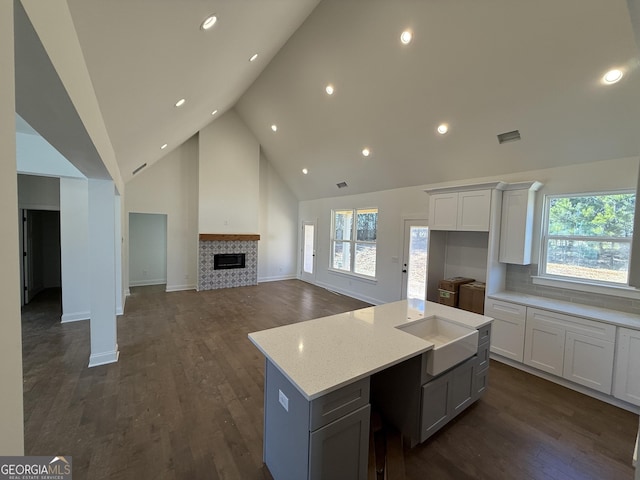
{"type": "Point", "coordinates": [228, 260]}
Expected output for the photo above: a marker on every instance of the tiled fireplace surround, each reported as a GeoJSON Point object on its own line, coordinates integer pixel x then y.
{"type": "Point", "coordinates": [212, 244]}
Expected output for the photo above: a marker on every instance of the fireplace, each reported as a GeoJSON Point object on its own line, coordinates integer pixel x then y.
{"type": "Point", "coordinates": [228, 260]}
{"type": "Point", "coordinates": [221, 266]}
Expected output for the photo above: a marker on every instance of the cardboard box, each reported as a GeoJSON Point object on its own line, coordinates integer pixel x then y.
{"type": "Point", "coordinates": [448, 298]}
{"type": "Point", "coordinates": [453, 284]}
{"type": "Point", "coordinates": [471, 297]}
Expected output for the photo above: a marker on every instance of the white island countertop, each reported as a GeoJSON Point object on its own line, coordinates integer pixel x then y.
{"type": "Point", "coordinates": [321, 355]}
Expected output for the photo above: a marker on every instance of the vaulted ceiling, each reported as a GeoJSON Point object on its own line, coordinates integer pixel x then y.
{"type": "Point", "coordinates": [482, 67]}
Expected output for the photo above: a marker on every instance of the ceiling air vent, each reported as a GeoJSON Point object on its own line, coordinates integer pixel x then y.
{"type": "Point", "coordinates": [139, 168]}
{"type": "Point", "coordinates": [342, 184]}
{"type": "Point", "coordinates": [509, 137]}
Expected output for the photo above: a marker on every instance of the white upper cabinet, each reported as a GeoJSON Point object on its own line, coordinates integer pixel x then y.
{"type": "Point", "coordinates": [516, 227]}
{"type": "Point", "coordinates": [464, 211]}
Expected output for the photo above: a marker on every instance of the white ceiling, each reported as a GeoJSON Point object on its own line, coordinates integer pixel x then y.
{"type": "Point", "coordinates": [484, 67]}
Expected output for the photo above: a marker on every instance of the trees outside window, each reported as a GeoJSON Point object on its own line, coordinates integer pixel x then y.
{"type": "Point", "coordinates": [353, 241]}
{"type": "Point", "coordinates": [588, 237]}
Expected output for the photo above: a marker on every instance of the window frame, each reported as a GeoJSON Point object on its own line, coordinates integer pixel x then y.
{"type": "Point", "coordinates": [353, 242]}
{"type": "Point", "coordinates": [545, 238]}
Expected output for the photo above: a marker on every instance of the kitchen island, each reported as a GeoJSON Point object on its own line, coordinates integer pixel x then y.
{"type": "Point", "coordinates": [322, 375]}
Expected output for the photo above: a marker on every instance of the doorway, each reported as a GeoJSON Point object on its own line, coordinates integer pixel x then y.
{"type": "Point", "coordinates": [40, 239]}
{"type": "Point", "coordinates": [308, 272]}
{"type": "Point", "coordinates": [415, 258]}
{"type": "Point", "coordinates": [147, 249]}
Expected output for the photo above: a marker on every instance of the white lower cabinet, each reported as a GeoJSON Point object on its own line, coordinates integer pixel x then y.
{"type": "Point", "coordinates": [507, 336]}
{"type": "Point", "coordinates": [588, 361]}
{"type": "Point", "coordinates": [627, 371]}
{"type": "Point", "coordinates": [575, 348]}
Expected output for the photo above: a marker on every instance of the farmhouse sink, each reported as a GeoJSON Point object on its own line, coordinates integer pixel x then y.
{"type": "Point", "coordinates": [453, 343]}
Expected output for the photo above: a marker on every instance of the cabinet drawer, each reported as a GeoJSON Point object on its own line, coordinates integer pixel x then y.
{"type": "Point", "coordinates": [505, 310]}
{"type": "Point", "coordinates": [338, 403]}
{"type": "Point", "coordinates": [484, 334]}
{"type": "Point", "coordinates": [581, 326]}
{"type": "Point", "coordinates": [483, 357]}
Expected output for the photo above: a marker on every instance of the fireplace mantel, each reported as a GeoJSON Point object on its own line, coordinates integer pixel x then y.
{"type": "Point", "coordinates": [228, 237]}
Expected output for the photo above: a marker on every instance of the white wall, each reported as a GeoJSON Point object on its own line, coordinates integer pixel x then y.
{"type": "Point", "coordinates": [394, 204]}
{"type": "Point", "coordinates": [36, 156]}
{"type": "Point", "coordinates": [11, 413]}
{"type": "Point", "coordinates": [147, 249]}
{"type": "Point", "coordinates": [170, 187]}
{"type": "Point", "coordinates": [277, 248]}
{"type": "Point", "coordinates": [38, 193]}
{"type": "Point", "coordinates": [74, 248]}
{"type": "Point", "coordinates": [229, 177]}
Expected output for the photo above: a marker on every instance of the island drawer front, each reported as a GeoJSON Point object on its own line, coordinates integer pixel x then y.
{"type": "Point", "coordinates": [505, 311]}
{"type": "Point", "coordinates": [483, 357]}
{"type": "Point", "coordinates": [338, 403]}
{"type": "Point", "coordinates": [484, 334]}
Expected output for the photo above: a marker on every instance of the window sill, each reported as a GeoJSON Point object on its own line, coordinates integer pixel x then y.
{"type": "Point", "coordinates": [371, 280]}
{"type": "Point", "coordinates": [613, 290]}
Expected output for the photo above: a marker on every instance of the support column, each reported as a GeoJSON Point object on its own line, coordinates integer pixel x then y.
{"type": "Point", "coordinates": [11, 408]}
{"type": "Point", "coordinates": [102, 272]}
{"type": "Point", "coordinates": [74, 249]}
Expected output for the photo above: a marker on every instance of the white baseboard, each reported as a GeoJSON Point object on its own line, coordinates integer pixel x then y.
{"type": "Point", "coordinates": [566, 383]}
{"type": "Point", "coordinates": [276, 278]}
{"type": "Point", "coordinates": [145, 283]}
{"type": "Point", "coordinates": [348, 293]}
{"type": "Point", "coordinates": [104, 358]}
{"type": "Point", "coordinates": [127, 292]}
{"type": "Point", "coordinates": [180, 288]}
{"type": "Point", "coordinates": [74, 317]}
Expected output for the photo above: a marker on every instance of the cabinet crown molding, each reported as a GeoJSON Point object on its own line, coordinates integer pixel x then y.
{"type": "Point", "coordinates": [498, 185]}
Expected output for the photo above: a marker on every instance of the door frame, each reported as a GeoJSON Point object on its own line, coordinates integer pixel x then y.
{"type": "Point", "coordinates": [419, 218]}
{"type": "Point", "coordinates": [309, 277]}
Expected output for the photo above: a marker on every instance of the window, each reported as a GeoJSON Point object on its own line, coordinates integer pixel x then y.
{"type": "Point", "coordinates": [353, 241]}
{"type": "Point", "coordinates": [588, 237]}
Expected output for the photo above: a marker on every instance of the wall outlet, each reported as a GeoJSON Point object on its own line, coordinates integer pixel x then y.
{"type": "Point", "coordinates": [284, 401]}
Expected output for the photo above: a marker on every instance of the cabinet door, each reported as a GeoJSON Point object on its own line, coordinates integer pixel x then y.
{"type": "Point", "coordinates": [589, 362]}
{"type": "Point", "coordinates": [474, 210]}
{"type": "Point", "coordinates": [507, 338]}
{"type": "Point", "coordinates": [544, 343]}
{"type": "Point", "coordinates": [435, 406]}
{"type": "Point", "coordinates": [443, 211]}
{"type": "Point", "coordinates": [627, 370]}
{"type": "Point", "coordinates": [461, 393]}
{"type": "Point", "coordinates": [340, 450]}
{"type": "Point", "coordinates": [516, 226]}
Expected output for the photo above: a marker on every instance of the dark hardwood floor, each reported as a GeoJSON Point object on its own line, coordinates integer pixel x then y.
{"type": "Point", "coordinates": [185, 401]}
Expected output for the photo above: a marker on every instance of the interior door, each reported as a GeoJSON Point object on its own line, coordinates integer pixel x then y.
{"type": "Point", "coordinates": [308, 271]}
{"type": "Point", "coordinates": [415, 257]}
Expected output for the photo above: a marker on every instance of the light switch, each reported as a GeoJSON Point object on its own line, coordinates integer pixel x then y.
{"type": "Point", "coordinates": [284, 401]}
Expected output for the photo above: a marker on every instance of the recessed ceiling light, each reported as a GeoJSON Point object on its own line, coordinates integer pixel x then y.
{"type": "Point", "coordinates": [443, 128]}
{"type": "Point", "coordinates": [274, 127]}
{"type": "Point", "coordinates": [406, 36]}
{"type": "Point", "coordinates": [366, 152]}
{"type": "Point", "coordinates": [329, 89]}
{"type": "Point", "coordinates": [180, 102]}
{"type": "Point", "coordinates": [214, 112]}
{"type": "Point", "coordinates": [163, 146]}
{"type": "Point", "coordinates": [253, 57]}
{"type": "Point", "coordinates": [208, 22]}
{"type": "Point", "coordinates": [305, 171]}
{"type": "Point", "coordinates": [612, 76]}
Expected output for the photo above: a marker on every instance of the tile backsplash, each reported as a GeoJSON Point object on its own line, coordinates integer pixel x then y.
{"type": "Point", "coordinates": [519, 280]}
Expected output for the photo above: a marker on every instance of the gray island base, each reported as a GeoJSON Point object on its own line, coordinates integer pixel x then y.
{"type": "Point", "coordinates": [323, 376]}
